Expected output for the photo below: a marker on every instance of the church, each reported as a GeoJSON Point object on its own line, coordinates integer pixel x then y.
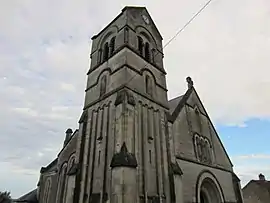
{"type": "Point", "coordinates": [133, 145]}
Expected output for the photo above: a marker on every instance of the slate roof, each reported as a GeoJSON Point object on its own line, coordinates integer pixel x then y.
{"type": "Point", "coordinates": [263, 184]}
{"type": "Point", "coordinates": [30, 197]}
{"type": "Point", "coordinates": [174, 102]}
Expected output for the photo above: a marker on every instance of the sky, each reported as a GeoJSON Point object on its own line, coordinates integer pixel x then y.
{"type": "Point", "coordinates": [44, 58]}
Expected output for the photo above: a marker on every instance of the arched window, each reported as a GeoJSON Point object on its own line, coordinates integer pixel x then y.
{"type": "Point", "coordinates": [153, 55]}
{"type": "Point", "coordinates": [112, 46]}
{"type": "Point", "coordinates": [140, 45]}
{"type": "Point", "coordinates": [99, 55]}
{"type": "Point", "coordinates": [147, 51]}
{"type": "Point", "coordinates": [204, 151]}
{"type": "Point", "coordinates": [103, 84]}
{"type": "Point", "coordinates": [148, 85]}
{"type": "Point", "coordinates": [199, 145]}
{"type": "Point", "coordinates": [196, 141]}
{"type": "Point", "coordinates": [61, 184]}
{"type": "Point", "coordinates": [47, 189]}
{"type": "Point", "coordinates": [106, 52]}
{"type": "Point", "coordinates": [71, 162]}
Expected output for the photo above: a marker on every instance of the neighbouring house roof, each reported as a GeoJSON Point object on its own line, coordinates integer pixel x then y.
{"type": "Point", "coordinates": [263, 184]}
{"type": "Point", "coordinates": [30, 197]}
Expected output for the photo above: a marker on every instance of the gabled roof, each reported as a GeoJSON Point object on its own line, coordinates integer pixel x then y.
{"type": "Point", "coordinates": [263, 184]}
{"type": "Point", "coordinates": [30, 197]}
{"type": "Point", "coordinates": [144, 8]}
{"type": "Point", "coordinates": [177, 104]}
{"type": "Point", "coordinates": [174, 102]}
{"type": "Point", "coordinates": [123, 10]}
{"type": "Point", "coordinates": [174, 112]}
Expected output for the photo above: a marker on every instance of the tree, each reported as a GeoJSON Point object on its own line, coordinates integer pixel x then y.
{"type": "Point", "coordinates": [5, 197]}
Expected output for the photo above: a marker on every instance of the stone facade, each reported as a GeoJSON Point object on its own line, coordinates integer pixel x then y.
{"type": "Point", "coordinates": [133, 144]}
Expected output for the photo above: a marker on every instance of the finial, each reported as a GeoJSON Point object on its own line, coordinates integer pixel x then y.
{"type": "Point", "coordinates": [69, 130]}
{"type": "Point", "coordinates": [190, 82]}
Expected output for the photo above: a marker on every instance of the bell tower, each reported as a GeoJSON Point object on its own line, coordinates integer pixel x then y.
{"type": "Point", "coordinates": [122, 144]}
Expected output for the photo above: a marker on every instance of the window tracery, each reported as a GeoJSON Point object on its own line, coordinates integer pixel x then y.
{"type": "Point", "coordinates": [145, 49]}
{"type": "Point", "coordinates": [202, 149]}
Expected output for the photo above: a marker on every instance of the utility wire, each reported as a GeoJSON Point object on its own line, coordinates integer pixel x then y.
{"type": "Point", "coordinates": [193, 17]}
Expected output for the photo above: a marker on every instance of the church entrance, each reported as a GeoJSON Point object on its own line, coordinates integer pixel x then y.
{"type": "Point", "coordinates": [203, 198]}
{"type": "Point", "coordinates": [209, 192]}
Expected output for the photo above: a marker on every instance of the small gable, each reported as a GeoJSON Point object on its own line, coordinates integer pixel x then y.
{"type": "Point", "coordinates": [256, 189]}
{"type": "Point", "coordinates": [208, 130]}
{"type": "Point", "coordinates": [139, 20]}
{"type": "Point", "coordinates": [141, 12]}
{"type": "Point", "coordinates": [191, 124]}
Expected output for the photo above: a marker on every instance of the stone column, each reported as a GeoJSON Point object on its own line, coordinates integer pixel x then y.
{"type": "Point", "coordinates": [124, 164]}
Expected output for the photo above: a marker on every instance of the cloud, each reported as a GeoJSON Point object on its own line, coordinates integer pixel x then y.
{"type": "Point", "coordinates": [44, 57]}
{"type": "Point", "coordinates": [254, 156]}
{"type": "Point", "coordinates": [249, 166]}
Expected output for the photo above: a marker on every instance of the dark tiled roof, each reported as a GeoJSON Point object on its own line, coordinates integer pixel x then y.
{"type": "Point", "coordinates": [30, 197]}
{"type": "Point", "coordinates": [174, 102]}
{"type": "Point", "coordinates": [263, 184]}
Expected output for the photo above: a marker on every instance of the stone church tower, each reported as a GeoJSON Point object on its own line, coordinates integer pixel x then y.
{"type": "Point", "coordinates": [124, 149]}
{"type": "Point", "coordinates": [133, 144]}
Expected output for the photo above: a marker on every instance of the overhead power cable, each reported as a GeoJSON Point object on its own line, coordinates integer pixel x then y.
{"type": "Point", "coordinates": [182, 28]}
{"type": "Point", "coordinates": [186, 24]}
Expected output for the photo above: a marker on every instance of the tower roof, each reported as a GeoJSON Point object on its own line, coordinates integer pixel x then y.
{"type": "Point", "coordinates": [125, 9]}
